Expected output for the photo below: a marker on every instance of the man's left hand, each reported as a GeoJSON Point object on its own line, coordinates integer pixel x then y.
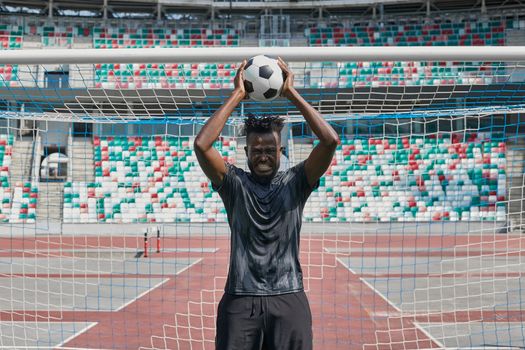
{"type": "Point", "coordinates": [288, 90]}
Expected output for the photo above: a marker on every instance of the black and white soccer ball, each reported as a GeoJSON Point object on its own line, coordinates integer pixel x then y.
{"type": "Point", "coordinates": [263, 78]}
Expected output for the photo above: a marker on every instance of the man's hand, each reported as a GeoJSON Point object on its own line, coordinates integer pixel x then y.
{"type": "Point", "coordinates": [209, 158]}
{"type": "Point", "coordinates": [238, 82]}
{"type": "Point", "coordinates": [288, 90]}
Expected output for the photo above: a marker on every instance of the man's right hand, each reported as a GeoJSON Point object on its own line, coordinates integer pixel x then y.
{"type": "Point", "coordinates": [238, 82]}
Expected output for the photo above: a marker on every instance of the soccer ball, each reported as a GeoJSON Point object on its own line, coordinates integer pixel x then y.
{"type": "Point", "coordinates": [263, 78]}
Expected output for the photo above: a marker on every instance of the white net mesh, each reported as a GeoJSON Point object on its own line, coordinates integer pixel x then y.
{"type": "Point", "coordinates": [412, 241]}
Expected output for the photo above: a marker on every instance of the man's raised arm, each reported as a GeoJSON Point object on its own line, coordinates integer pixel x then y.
{"type": "Point", "coordinates": [321, 156]}
{"type": "Point", "coordinates": [209, 158]}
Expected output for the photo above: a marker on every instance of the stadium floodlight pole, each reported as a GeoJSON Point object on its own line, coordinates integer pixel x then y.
{"type": "Point", "coordinates": [291, 54]}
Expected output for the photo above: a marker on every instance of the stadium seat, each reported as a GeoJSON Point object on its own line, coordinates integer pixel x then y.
{"type": "Point", "coordinates": [190, 75]}
{"type": "Point", "coordinates": [416, 179]}
{"type": "Point", "coordinates": [146, 179]}
{"type": "Point", "coordinates": [19, 199]}
{"type": "Point", "coordinates": [405, 32]}
{"type": "Point", "coordinates": [446, 178]}
{"type": "Point", "coordinates": [11, 38]}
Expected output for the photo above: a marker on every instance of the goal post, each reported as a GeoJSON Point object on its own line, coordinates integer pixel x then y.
{"type": "Point", "coordinates": [112, 236]}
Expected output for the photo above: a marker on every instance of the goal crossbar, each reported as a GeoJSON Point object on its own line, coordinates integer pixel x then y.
{"type": "Point", "coordinates": [230, 54]}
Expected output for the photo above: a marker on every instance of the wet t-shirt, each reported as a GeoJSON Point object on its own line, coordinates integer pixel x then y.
{"type": "Point", "coordinates": [265, 223]}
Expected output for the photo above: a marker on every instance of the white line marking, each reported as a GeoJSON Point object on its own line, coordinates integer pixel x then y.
{"type": "Point", "coordinates": [345, 265]}
{"type": "Point", "coordinates": [110, 250]}
{"type": "Point", "coordinates": [190, 265]}
{"type": "Point", "coordinates": [75, 348]}
{"type": "Point", "coordinates": [417, 250]}
{"type": "Point", "coordinates": [438, 343]}
{"type": "Point", "coordinates": [83, 330]}
{"type": "Point", "coordinates": [54, 347]}
{"type": "Point", "coordinates": [141, 294]}
{"type": "Point", "coordinates": [390, 303]}
{"type": "Point", "coordinates": [380, 294]}
{"type": "Point", "coordinates": [370, 286]}
{"type": "Point", "coordinates": [156, 286]}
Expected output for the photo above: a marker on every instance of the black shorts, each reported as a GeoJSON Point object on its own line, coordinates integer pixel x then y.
{"type": "Point", "coordinates": [264, 322]}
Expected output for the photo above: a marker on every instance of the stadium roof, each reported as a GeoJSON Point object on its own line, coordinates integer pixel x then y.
{"type": "Point", "coordinates": [122, 8]}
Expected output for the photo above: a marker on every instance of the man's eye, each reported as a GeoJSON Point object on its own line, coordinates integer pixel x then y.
{"type": "Point", "coordinates": [269, 151]}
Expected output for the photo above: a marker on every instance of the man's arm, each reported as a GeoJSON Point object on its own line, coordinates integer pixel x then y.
{"type": "Point", "coordinates": [209, 158]}
{"type": "Point", "coordinates": [321, 156]}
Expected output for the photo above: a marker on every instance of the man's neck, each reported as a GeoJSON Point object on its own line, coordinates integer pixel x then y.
{"type": "Point", "coordinates": [266, 180]}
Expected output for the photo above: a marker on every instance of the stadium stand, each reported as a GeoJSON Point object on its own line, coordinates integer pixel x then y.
{"type": "Point", "coordinates": [463, 31]}
{"type": "Point", "coordinates": [6, 143]}
{"type": "Point", "coordinates": [413, 32]}
{"type": "Point", "coordinates": [143, 179]}
{"type": "Point", "coordinates": [24, 202]}
{"type": "Point", "coordinates": [146, 179]}
{"type": "Point", "coordinates": [183, 75]}
{"type": "Point", "coordinates": [113, 38]}
{"type": "Point", "coordinates": [460, 30]}
{"type": "Point", "coordinates": [164, 75]}
{"type": "Point", "coordinates": [116, 177]}
{"type": "Point", "coordinates": [19, 199]}
{"type": "Point", "coordinates": [11, 38]}
{"type": "Point", "coordinates": [413, 179]}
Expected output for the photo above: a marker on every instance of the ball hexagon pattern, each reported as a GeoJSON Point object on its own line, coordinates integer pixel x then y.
{"type": "Point", "coordinates": [263, 78]}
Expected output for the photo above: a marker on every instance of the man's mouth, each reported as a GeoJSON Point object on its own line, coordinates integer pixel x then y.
{"type": "Point", "coordinates": [264, 167]}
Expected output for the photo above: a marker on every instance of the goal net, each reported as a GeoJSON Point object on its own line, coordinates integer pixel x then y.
{"type": "Point", "coordinates": [112, 236]}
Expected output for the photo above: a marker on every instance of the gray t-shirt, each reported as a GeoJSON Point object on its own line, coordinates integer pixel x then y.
{"type": "Point", "coordinates": [265, 222]}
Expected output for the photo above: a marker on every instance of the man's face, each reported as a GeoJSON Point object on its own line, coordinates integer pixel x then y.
{"type": "Point", "coordinates": [263, 151]}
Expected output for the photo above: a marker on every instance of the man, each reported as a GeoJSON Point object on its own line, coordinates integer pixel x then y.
{"type": "Point", "coordinates": [264, 305]}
